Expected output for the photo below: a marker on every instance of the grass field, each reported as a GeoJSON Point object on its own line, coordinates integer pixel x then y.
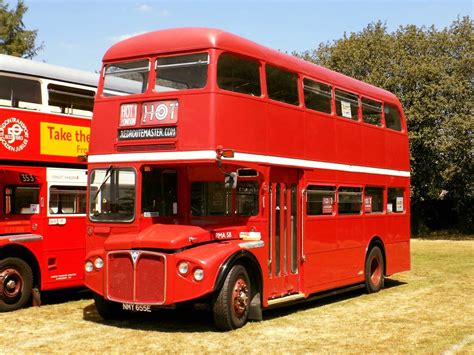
{"type": "Point", "coordinates": [429, 309]}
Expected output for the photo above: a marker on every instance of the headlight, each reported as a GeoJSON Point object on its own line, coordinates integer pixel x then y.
{"type": "Point", "coordinates": [183, 268]}
{"type": "Point", "coordinates": [198, 274]}
{"type": "Point", "coordinates": [89, 266]}
{"type": "Point", "coordinates": [99, 263]}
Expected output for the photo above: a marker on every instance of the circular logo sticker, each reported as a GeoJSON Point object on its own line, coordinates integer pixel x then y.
{"type": "Point", "coordinates": [14, 134]}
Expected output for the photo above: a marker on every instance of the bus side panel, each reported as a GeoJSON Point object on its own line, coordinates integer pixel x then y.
{"type": "Point", "coordinates": [398, 257]}
{"type": "Point", "coordinates": [285, 133]}
{"type": "Point", "coordinates": [235, 114]}
{"type": "Point", "coordinates": [373, 146]}
{"type": "Point", "coordinates": [65, 252]}
{"type": "Point", "coordinates": [349, 142]}
{"type": "Point", "coordinates": [320, 143]}
{"type": "Point", "coordinates": [396, 151]}
{"type": "Point", "coordinates": [31, 131]}
{"type": "Point", "coordinates": [321, 252]}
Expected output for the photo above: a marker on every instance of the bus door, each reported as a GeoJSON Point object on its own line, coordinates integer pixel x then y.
{"type": "Point", "coordinates": [64, 227]}
{"type": "Point", "coordinates": [284, 234]}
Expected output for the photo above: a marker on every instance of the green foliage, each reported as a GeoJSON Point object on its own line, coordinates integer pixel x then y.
{"type": "Point", "coordinates": [14, 38]}
{"type": "Point", "coordinates": [431, 72]}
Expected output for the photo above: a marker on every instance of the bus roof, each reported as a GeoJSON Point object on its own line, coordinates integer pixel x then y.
{"type": "Point", "coordinates": [23, 66]}
{"type": "Point", "coordinates": [191, 39]}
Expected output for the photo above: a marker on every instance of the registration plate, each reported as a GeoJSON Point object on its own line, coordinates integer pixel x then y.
{"type": "Point", "coordinates": [136, 307]}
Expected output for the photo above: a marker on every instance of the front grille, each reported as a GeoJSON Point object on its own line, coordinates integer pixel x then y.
{"type": "Point", "coordinates": [139, 281]}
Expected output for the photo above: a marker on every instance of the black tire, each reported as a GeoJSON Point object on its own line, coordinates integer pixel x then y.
{"type": "Point", "coordinates": [16, 283]}
{"type": "Point", "coordinates": [374, 270]}
{"type": "Point", "coordinates": [108, 310]}
{"type": "Point", "coordinates": [232, 303]}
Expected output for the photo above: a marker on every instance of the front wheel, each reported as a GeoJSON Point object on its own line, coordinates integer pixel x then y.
{"type": "Point", "coordinates": [231, 306]}
{"type": "Point", "coordinates": [374, 267]}
{"type": "Point", "coordinates": [108, 310]}
{"type": "Point", "coordinates": [16, 283]}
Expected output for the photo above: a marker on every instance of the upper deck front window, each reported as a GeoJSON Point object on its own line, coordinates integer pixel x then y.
{"type": "Point", "coordinates": [182, 72]}
{"type": "Point", "coordinates": [126, 78]}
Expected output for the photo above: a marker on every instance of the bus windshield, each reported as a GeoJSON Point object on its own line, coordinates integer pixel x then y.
{"type": "Point", "coordinates": [112, 195]}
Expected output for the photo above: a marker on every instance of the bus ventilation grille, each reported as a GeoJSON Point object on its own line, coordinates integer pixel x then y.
{"type": "Point", "coordinates": [140, 281]}
{"type": "Point", "coordinates": [145, 147]}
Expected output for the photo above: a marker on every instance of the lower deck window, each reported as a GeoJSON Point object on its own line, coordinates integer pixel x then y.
{"type": "Point", "coordinates": [22, 200]}
{"type": "Point", "coordinates": [213, 199]}
{"type": "Point", "coordinates": [320, 200]}
{"type": "Point", "coordinates": [395, 200]}
{"type": "Point", "coordinates": [112, 195]}
{"type": "Point", "coordinates": [67, 200]}
{"type": "Point", "coordinates": [349, 200]}
{"type": "Point", "coordinates": [373, 200]}
{"type": "Point", "coordinates": [159, 192]}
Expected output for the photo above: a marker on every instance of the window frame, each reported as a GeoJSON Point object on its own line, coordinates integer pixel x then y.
{"type": "Point", "coordinates": [331, 98]}
{"type": "Point", "coordinates": [359, 106]}
{"type": "Point", "coordinates": [383, 211]}
{"type": "Point", "coordinates": [298, 85]}
{"type": "Point", "coordinates": [338, 200]}
{"type": "Point", "coordinates": [59, 215]}
{"type": "Point", "coordinates": [113, 94]}
{"type": "Point", "coordinates": [152, 82]}
{"type": "Point", "coordinates": [382, 118]}
{"type": "Point", "coordinates": [261, 74]}
{"type": "Point", "coordinates": [394, 211]}
{"type": "Point", "coordinates": [401, 120]}
{"type": "Point", "coordinates": [334, 203]}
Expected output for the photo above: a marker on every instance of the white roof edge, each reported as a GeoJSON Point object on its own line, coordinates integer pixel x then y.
{"type": "Point", "coordinates": [18, 65]}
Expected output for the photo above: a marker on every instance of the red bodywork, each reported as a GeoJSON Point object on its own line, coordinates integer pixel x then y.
{"type": "Point", "coordinates": [291, 148]}
{"type": "Point", "coordinates": [53, 245]}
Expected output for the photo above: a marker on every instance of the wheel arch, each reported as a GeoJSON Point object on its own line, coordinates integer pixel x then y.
{"type": "Point", "coordinates": [21, 252]}
{"type": "Point", "coordinates": [377, 241]}
{"type": "Point", "coordinates": [247, 260]}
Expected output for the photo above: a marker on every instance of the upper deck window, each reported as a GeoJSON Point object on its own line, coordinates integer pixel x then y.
{"type": "Point", "coordinates": [282, 85]}
{"type": "Point", "coordinates": [392, 118]}
{"type": "Point", "coordinates": [126, 78]}
{"type": "Point", "coordinates": [317, 96]}
{"type": "Point", "coordinates": [238, 74]}
{"type": "Point", "coordinates": [20, 93]}
{"type": "Point", "coordinates": [70, 101]}
{"type": "Point", "coordinates": [181, 72]}
{"type": "Point", "coordinates": [372, 111]}
{"type": "Point", "coordinates": [347, 105]}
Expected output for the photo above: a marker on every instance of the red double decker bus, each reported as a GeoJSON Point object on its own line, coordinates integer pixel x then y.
{"type": "Point", "coordinates": [238, 177]}
{"type": "Point", "coordinates": [45, 114]}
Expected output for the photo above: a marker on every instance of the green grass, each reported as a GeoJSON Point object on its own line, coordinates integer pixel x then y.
{"type": "Point", "coordinates": [429, 309]}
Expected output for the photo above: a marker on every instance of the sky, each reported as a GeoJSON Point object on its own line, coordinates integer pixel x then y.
{"type": "Point", "coordinates": [77, 33]}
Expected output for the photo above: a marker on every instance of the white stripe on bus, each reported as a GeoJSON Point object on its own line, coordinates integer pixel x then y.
{"type": "Point", "coordinates": [242, 157]}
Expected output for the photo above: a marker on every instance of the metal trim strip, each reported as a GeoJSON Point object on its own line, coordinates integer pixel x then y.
{"type": "Point", "coordinates": [243, 157]}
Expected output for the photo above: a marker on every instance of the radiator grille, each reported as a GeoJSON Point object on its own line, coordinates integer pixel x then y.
{"type": "Point", "coordinates": [139, 281]}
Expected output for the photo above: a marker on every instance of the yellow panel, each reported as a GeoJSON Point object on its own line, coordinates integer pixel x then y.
{"type": "Point", "coordinates": [64, 140]}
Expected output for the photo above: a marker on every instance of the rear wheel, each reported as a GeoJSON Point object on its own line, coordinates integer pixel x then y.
{"type": "Point", "coordinates": [231, 306]}
{"type": "Point", "coordinates": [108, 310]}
{"type": "Point", "coordinates": [374, 267]}
{"type": "Point", "coordinates": [16, 283]}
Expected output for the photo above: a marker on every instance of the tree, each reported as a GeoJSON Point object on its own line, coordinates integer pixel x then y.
{"type": "Point", "coordinates": [431, 72]}
{"type": "Point", "coordinates": [14, 38]}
